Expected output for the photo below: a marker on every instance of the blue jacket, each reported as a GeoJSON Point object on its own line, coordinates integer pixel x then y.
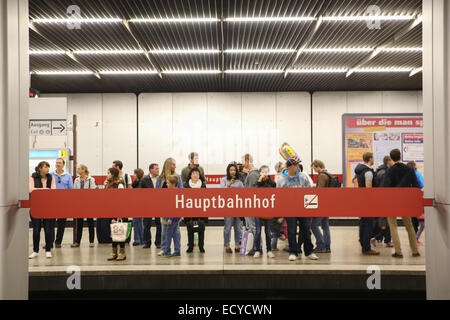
{"type": "Point", "coordinates": [300, 180]}
{"type": "Point", "coordinates": [179, 185]}
{"type": "Point", "coordinates": [64, 181]}
{"type": "Point", "coordinates": [419, 179]}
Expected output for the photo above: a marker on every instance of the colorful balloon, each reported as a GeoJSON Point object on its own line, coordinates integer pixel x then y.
{"type": "Point", "coordinates": [287, 152]}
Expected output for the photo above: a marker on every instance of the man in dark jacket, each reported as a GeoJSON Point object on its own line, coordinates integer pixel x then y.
{"type": "Point", "coordinates": [381, 230]}
{"type": "Point", "coordinates": [365, 175]}
{"type": "Point", "coordinates": [401, 176]}
{"type": "Point", "coordinates": [149, 181]}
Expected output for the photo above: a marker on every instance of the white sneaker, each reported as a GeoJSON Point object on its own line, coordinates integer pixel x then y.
{"type": "Point", "coordinates": [160, 253]}
{"type": "Point", "coordinates": [270, 254]}
{"type": "Point", "coordinates": [33, 255]}
{"type": "Point", "coordinates": [292, 257]}
{"type": "Point", "coordinates": [312, 256]}
{"type": "Point", "coordinates": [48, 255]}
{"type": "Point", "coordinates": [257, 254]}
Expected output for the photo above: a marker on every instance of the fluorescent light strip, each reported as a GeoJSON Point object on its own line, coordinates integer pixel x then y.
{"type": "Point", "coordinates": [86, 20]}
{"type": "Point", "coordinates": [174, 20]}
{"type": "Point", "coordinates": [269, 19]}
{"type": "Point", "coordinates": [415, 71]}
{"type": "Point", "coordinates": [124, 72]}
{"type": "Point", "coordinates": [260, 51]}
{"type": "Point", "coordinates": [191, 71]}
{"type": "Point", "coordinates": [336, 50]}
{"type": "Point", "coordinates": [187, 51]}
{"type": "Point", "coordinates": [369, 18]}
{"type": "Point", "coordinates": [402, 49]}
{"type": "Point", "coordinates": [129, 72]}
{"type": "Point", "coordinates": [254, 71]}
{"type": "Point", "coordinates": [368, 70]}
{"type": "Point", "coordinates": [316, 70]}
{"type": "Point", "coordinates": [62, 72]}
{"type": "Point", "coordinates": [108, 52]}
{"type": "Point", "coordinates": [40, 52]}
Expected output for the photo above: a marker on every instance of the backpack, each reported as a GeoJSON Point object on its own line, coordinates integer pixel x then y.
{"type": "Point", "coordinates": [334, 181]}
{"type": "Point", "coordinates": [378, 178]}
{"type": "Point", "coordinates": [361, 177]}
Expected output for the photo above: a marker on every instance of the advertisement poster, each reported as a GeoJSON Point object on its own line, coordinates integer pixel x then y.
{"type": "Point", "coordinates": [379, 134]}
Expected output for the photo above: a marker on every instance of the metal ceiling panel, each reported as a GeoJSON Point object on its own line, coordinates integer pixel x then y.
{"type": "Point", "coordinates": [222, 36]}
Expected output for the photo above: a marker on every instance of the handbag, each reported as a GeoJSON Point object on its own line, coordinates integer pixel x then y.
{"type": "Point", "coordinates": [119, 231]}
{"type": "Point", "coordinates": [129, 230]}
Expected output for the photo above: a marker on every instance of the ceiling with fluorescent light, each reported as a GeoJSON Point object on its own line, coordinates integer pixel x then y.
{"type": "Point", "coordinates": [159, 44]}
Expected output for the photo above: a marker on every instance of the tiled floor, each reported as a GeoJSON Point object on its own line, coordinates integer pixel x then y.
{"type": "Point", "coordinates": [345, 255]}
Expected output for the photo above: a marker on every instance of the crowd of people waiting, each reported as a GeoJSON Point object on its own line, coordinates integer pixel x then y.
{"type": "Point", "coordinates": [392, 173]}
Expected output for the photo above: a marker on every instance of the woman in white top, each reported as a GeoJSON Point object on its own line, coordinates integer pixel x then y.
{"type": "Point", "coordinates": [84, 181]}
{"type": "Point", "coordinates": [41, 179]}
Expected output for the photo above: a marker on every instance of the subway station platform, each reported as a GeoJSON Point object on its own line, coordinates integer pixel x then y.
{"type": "Point", "coordinates": [344, 269]}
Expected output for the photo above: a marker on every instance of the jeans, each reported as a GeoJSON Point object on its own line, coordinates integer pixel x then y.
{"type": "Point", "coordinates": [80, 222]}
{"type": "Point", "coordinates": [257, 243]}
{"type": "Point", "coordinates": [61, 224]}
{"type": "Point", "coordinates": [250, 224]}
{"type": "Point", "coordinates": [384, 234]}
{"type": "Point", "coordinates": [236, 223]}
{"type": "Point", "coordinates": [200, 230]}
{"type": "Point", "coordinates": [138, 230]}
{"type": "Point", "coordinates": [147, 237]}
{"type": "Point", "coordinates": [49, 230]}
{"type": "Point", "coordinates": [323, 241]}
{"type": "Point", "coordinates": [276, 234]}
{"type": "Point", "coordinates": [304, 236]}
{"type": "Point", "coordinates": [172, 231]}
{"type": "Point", "coordinates": [366, 226]}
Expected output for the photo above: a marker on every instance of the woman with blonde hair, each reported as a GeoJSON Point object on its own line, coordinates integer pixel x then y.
{"type": "Point", "coordinates": [84, 181]}
{"type": "Point", "coordinates": [161, 182]}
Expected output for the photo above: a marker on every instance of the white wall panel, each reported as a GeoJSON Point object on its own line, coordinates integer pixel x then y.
{"type": "Point", "coordinates": [400, 102]}
{"type": "Point", "coordinates": [364, 102]}
{"type": "Point", "coordinates": [328, 108]}
{"type": "Point", "coordinates": [259, 127]}
{"type": "Point", "coordinates": [155, 128]}
{"type": "Point", "coordinates": [420, 102]}
{"type": "Point", "coordinates": [119, 131]}
{"type": "Point", "coordinates": [189, 127]}
{"type": "Point", "coordinates": [224, 131]}
{"type": "Point", "coordinates": [293, 114]}
{"type": "Point", "coordinates": [88, 108]}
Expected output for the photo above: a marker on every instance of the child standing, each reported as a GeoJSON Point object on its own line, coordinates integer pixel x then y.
{"type": "Point", "coordinates": [172, 228]}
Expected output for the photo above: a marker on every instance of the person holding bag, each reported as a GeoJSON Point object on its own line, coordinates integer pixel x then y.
{"type": "Point", "coordinates": [232, 180]}
{"type": "Point", "coordinates": [42, 179]}
{"type": "Point", "coordinates": [113, 181]}
{"type": "Point", "coordinates": [194, 180]}
{"type": "Point", "coordinates": [84, 181]}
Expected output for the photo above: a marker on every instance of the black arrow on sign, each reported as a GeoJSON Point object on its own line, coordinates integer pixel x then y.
{"type": "Point", "coordinates": [61, 128]}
